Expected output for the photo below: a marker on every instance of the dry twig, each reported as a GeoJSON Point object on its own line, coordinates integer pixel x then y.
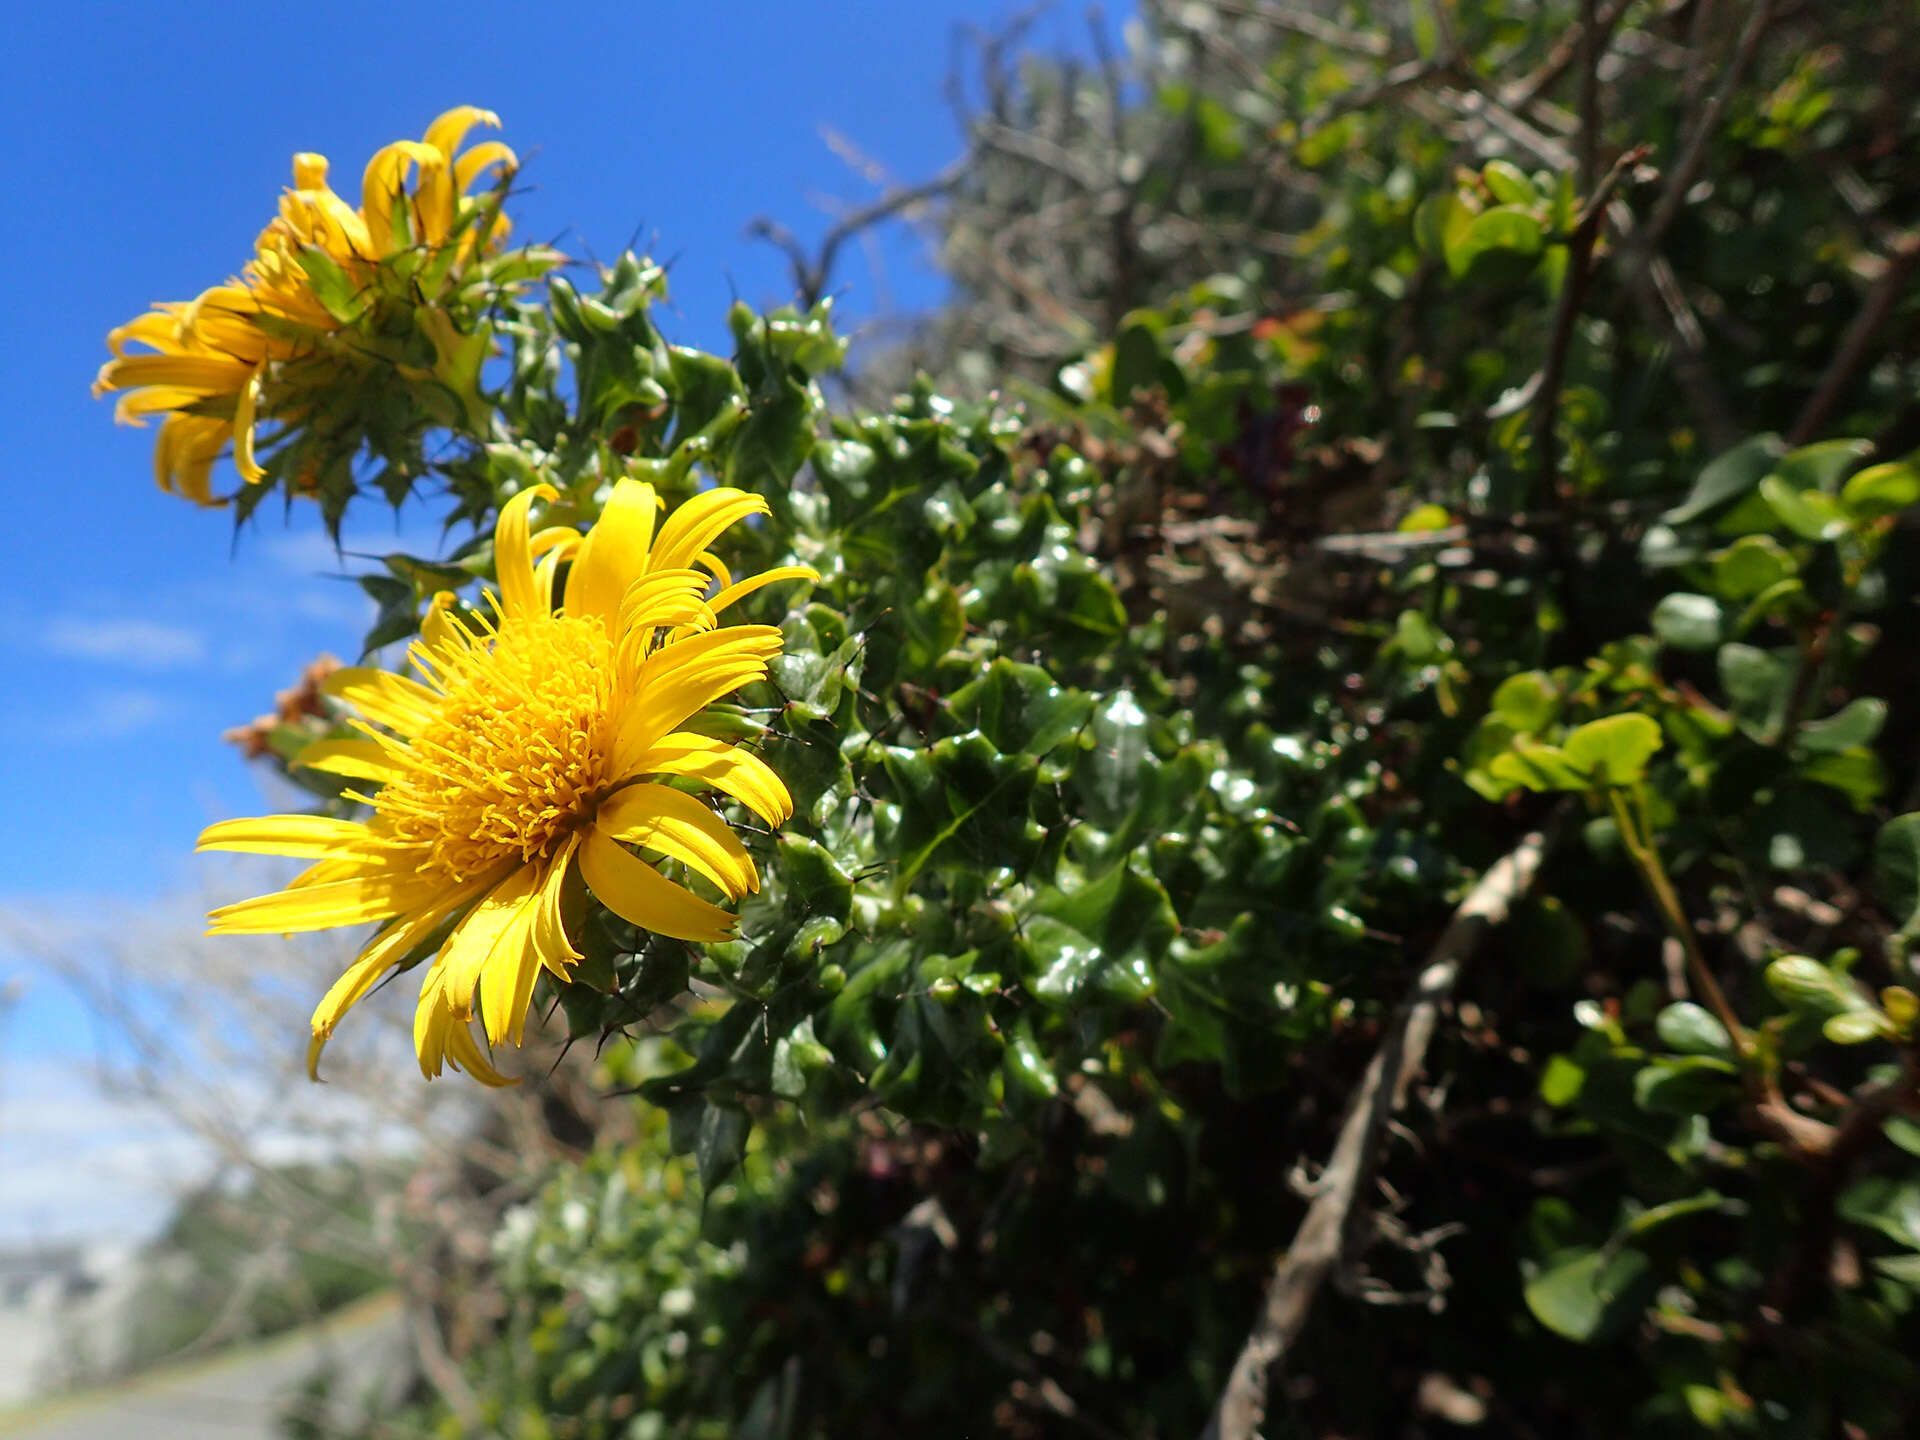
{"type": "Point", "coordinates": [1326, 1234]}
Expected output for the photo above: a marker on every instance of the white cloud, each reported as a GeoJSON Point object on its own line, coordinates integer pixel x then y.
{"type": "Point", "coordinates": [109, 715]}
{"type": "Point", "coordinates": [303, 552]}
{"type": "Point", "coordinates": [147, 644]}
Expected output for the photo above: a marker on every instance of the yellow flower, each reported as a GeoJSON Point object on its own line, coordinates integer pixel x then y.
{"type": "Point", "coordinates": [319, 268]}
{"type": "Point", "coordinates": [207, 391]}
{"type": "Point", "coordinates": [542, 747]}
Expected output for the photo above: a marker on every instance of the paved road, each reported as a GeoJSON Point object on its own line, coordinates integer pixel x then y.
{"type": "Point", "coordinates": [231, 1397]}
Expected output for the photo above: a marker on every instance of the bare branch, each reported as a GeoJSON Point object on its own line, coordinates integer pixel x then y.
{"type": "Point", "coordinates": [1573, 294]}
{"type": "Point", "coordinates": [1305, 23]}
{"type": "Point", "coordinates": [1852, 353]}
{"type": "Point", "coordinates": [1680, 179]}
{"type": "Point", "coordinates": [1323, 1239]}
{"type": "Point", "coordinates": [813, 274]}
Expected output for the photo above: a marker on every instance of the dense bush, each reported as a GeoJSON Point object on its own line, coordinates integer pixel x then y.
{"type": "Point", "coordinates": [1480, 437]}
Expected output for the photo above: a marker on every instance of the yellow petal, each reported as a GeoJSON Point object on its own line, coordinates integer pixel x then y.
{"type": "Point", "coordinates": [134, 405]}
{"type": "Point", "coordinates": [158, 328]}
{"type": "Point", "coordinates": [666, 598]}
{"type": "Point", "coordinates": [306, 837]}
{"type": "Point", "coordinates": [692, 527]}
{"type": "Point", "coordinates": [727, 768]}
{"type": "Point", "coordinates": [464, 1052]}
{"type": "Point", "coordinates": [322, 907]}
{"type": "Point", "coordinates": [615, 552]}
{"type": "Point", "coordinates": [681, 828]}
{"type": "Point", "coordinates": [513, 553]}
{"type": "Point", "coordinates": [744, 588]}
{"type": "Point", "coordinates": [439, 629]}
{"type": "Point", "coordinates": [386, 699]}
{"type": "Point", "coordinates": [441, 1033]}
{"type": "Point", "coordinates": [451, 127]}
{"type": "Point", "coordinates": [550, 936]}
{"type": "Point", "coordinates": [506, 981]}
{"type": "Point", "coordinates": [354, 759]}
{"type": "Point", "coordinates": [386, 950]}
{"type": "Point", "coordinates": [184, 453]}
{"type": "Point", "coordinates": [243, 413]}
{"type": "Point", "coordinates": [641, 895]}
{"type": "Point", "coordinates": [489, 152]}
{"type": "Point", "coordinates": [471, 947]}
{"type": "Point", "coordinates": [204, 374]}
{"type": "Point", "coordinates": [385, 177]}
{"type": "Point", "coordinates": [679, 679]}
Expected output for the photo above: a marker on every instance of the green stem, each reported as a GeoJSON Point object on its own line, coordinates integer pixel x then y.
{"type": "Point", "coordinates": [1646, 859]}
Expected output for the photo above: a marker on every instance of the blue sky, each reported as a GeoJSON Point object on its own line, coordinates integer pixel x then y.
{"type": "Point", "coordinates": [146, 147]}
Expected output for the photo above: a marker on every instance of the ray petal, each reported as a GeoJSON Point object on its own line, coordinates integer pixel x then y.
{"type": "Point", "coordinates": [513, 553]}
{"type": "Point", "coordinates": [243, 414]}
{"type": "Point", "coordinates": [694, 524]}
{"type": "Point", "coordinates": [382, 953]}
{"type": "Point", "coordinates": [304, 837]}
{"type": "Point", "coordinates": [681, 828]}
{"type": "Point", "coordinates": [322, 907]}
{"type": "Point", "coordinates": [641, 895]}
{"type": "Point", "coordinates": [737, 592]}
{"type": "Point", "coordinates": [386, 699]}
{"type": "Point", "coordinates": [475, 942]}
{"type": "Point", "coordinates": [679, 679]}
{"type": "Point", "coordinates": [450, 127]}
{"type": "Point", "coordinates": [615, 553]}
{"type": "Point", "coordinates": [727, 768]}
{"type": "Point", "coordinates": [354, 759]}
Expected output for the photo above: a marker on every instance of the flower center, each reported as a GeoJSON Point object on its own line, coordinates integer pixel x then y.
{"type": "Point", "coordinates": [518, 754]}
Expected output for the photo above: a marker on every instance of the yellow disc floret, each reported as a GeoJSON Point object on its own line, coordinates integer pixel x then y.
{"type": "Point", "coordinates": [517, 756]}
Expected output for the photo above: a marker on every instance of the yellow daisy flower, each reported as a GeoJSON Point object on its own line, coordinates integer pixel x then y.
{"type": "Point", "coordinates": [543, 747]}
{"type": "Point", "coordinates": [319, 267]}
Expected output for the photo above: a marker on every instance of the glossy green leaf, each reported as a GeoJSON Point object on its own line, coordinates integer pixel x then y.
{"type": "Point", "coordinates": [1688, 622]}
{"type": "Point", "coordinates": [1856, 1027]}
{"type": "Point", "coordinates": [1819, 466]}
{"type": "Point", "coordinates": [1896, 870]}
{"type": "Point", "coordinates": [1692, 1029]}
{"type": "Point", "coordinates": [1020, 708]}
{"type": "Point", "coordinates": [1613, 751]}
{"type": "Point", "coordinates": [1728, 477]}
{"type": "Point", "coordinates": [1881, 490]}
{"type": "Point", "coordinates": [1686, 1085]}
{"type": "Point", "coordinates": [1509, 184]}
{"type": "Point", "coordinates": [1858, 724]}
{"type": "Point", "coordinates": [1528, 702]}
{"type": "Point", "coordinates": [1136, 363]}
{"type": "Point", "coordinates": [1587, 1295]}
{"type": "Point", "coordinates": [1810, 514]}
{"type": "Point", "coordinates": [1536, 767]}
{"type": "Point", "coordinates": [1751, 565]}
{"type": "Point", "coordinates": [1805, 985]}
{"type": "Point", "coordinates": [1498, 246]}
{"type": "Point", "coordinates": [1759, 683]}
